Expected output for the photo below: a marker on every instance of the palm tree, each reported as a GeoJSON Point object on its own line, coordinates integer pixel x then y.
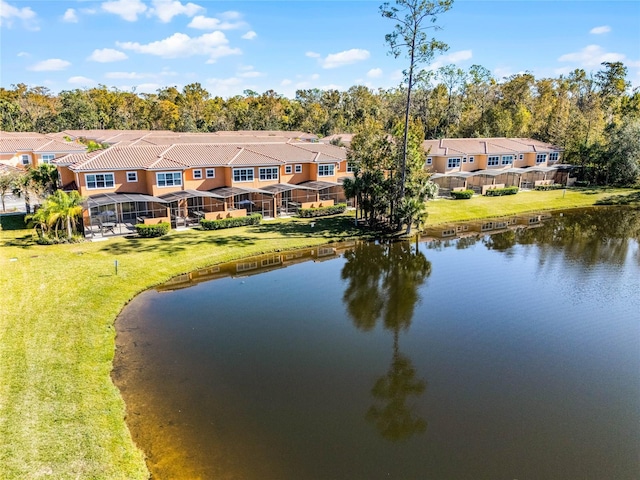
{"type": "Point", "coordinates": [60, 210]}
{"type": "Point", "coordinates": [412, 210]}
{"type": "Point", "coordinates": [65, 208]}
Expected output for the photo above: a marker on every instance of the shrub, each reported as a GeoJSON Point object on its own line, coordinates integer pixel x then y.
{"type": "Point", "coordinates": [12, 221]}
{"type": "Point", "coordinates": [151, 231]}
{"type": "Point", "coordinates": [253, 219]}
{"type": "Point", "coordinates": [462, 194]}
{"type": "Point", "coordinates": [581, 183]}
{"type": "Point", "coordinates": [555, 186]}
{"type": "Point", "coordinates": [322, 211]}
{"type": "Point", "coordinates": [499, 192]}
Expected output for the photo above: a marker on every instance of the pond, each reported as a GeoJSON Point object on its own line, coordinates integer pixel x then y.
{"type": "Point", "coordinates": [513, 355]}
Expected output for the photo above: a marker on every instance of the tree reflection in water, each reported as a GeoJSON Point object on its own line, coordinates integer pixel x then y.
{"type": "Point", "coordinates": [382, 284]}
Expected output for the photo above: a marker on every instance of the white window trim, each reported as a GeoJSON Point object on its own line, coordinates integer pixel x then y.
{"type": "Point", "coordinates": [329, 166]}
{"type": "Point", "coordinates": [252, 170]}
{"type": "Point", "coordinates": [135, 177]}
{"type": "Point", "coordinates": [541, 155]}
{"type": "Point", "coordinates": [497, 157]}
{"type": "Point", "coordinates": [274, 173]}
{"type": "Point", "coordinates": [165, 179]}
{"type": "Point", "coordinates": [429, 161]}
{"type": "Point", "coordinates": [521, 156]}
{"type": "Point", "coordinates": [507, 156]}
{"type": "Point", "coordinates": [211, 171]}
{"type": "Point", "coordinates": [457, 162]}
{"type": "Point", "coordinates": [288, 169]}
{"type": "Point", "coordinates": [197, 173]}
{"type": "Point", "coordinates": [24, 159]}
{"type": "Point", "coordinates": [86, 180]}
{"type": "Point", "coordinates": [464, 159]}
{"type": "Point", "coordinates": [471, 159]}
{"type": "Point", "coordinates": [557, 156]}
{"type": "Point", "coordinates": [49, 159]}
{"type": "Point", "coordinates": [298, 168]}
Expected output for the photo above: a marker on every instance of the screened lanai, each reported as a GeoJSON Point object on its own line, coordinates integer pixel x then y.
{"type": "Point", "coordinates": [187, 207]}
{"type": "Point", "coordinates": [117, 213]}
{"type": "Point", "coordinates": [325, 191]}
{"type": "Point", "coordinates": [447, 182]}
{"type": "Point", "coordinates": [288, 197]}
{"type": "Point", "coordinates": [249, 200]}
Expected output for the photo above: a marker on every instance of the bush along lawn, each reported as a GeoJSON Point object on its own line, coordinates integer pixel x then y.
{"type": "Point", "coordinates": [462, 194]}
{"type": "Point", "coordinates": [152, 231]}
{"type": "Point", "coordinates": [499, 192]}
{"type": "Point", "coordinates": [253, 219]}
{"type": "Point", "coordinates": [322, 211]}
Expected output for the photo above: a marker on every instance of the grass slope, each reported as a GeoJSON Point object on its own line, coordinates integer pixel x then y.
{"type": "Point", "coordinates": [60, 415]}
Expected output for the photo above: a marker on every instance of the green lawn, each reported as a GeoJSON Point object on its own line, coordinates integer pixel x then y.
{"type": "Point", "coordinates": [60, 415]}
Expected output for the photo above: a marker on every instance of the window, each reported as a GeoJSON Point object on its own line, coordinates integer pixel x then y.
{"type": "Point", "coordinates": [211, 172]}
{"type": "Point", "coordinates": [268, 173]}
{"type": "Point", "coordinates": [464, 159]}
{"type": "Point", "coordinates": [471, 159]}
{"type": "Point", "coordinates": [351, 167]}
{"type": "Point", "coordinates": [326, 170]}
{"type": "Point", "coordinates": [24, 159]}
{"type": "Point", "coordinates": [169, 179]}
{"type": "Point", "coordinates": [288, 169]}
{"type": "Point", "coordinates": [493, 160]}
{"type": "Point", "coordinates": [521, 156]}
{"type": "Point", "coordinates": [197, 174]}
{"type": "Point", "coordinates": [553, 156]}
{"type": "Point", "coordinates": [541, 157]}
{"type": "Point", "coordinates": [298, 168]}
{"type": "Point", "coordinates": [243, 174]}
{"type": "Point", "coordinates": [99, 180]}
{"type": "Point", "coordinates": [132, 177]}
{"type": "Point", "coordinates": [507, 159]}
{"type": "Point", "coordinates": [47, 157]}
{"type": "Point", "coordinates": [453, 162]}
{"type": "Point", "coordinates": [429, 160]}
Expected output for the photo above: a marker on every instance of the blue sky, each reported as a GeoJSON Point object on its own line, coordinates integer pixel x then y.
{"type": "Point", "coordinates": [288, 45]}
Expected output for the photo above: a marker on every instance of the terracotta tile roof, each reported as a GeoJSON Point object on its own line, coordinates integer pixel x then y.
{"type": "Point", "coordinates": [121, 158]}
{"type": "Point", "coordinates": [250, 158]}
{"type": "Point", "coordinates": [484, 146]}
{"type": "Point", "coordinates": [284, 152]}
{"type": "Point", "coordinates": [202, 155]}
{"type": "Point", "coordinates": [37, 144]}
{"type": "Point", "coordinates": [329, 151]}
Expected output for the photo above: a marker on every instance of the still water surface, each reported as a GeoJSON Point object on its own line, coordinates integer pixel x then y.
{"type": "Point", "coordinates": [506, 356]}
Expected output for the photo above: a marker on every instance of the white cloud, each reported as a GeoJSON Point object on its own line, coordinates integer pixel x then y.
{"type": "Point", "coordinates": [201, 22]}
{"type": "Point", "coordinates": [592, 56]}
{"type": "Point", "coordinates": [231, 15]}
{"type": "Point", "coordinates": [600, 30]}
{"type": "Point", "coordinates": [84, 81]}
{"type": "Point", "coordinates": [315, 76]}
{"type": "Point", "coordinates": [225, 87]}
{"type": "Point", "coordinates": [374, 73]}
{"type": "Point", "coordinates": [165, 10]}
{"type": "Point", "coordinates": [214, 45]}
{"type": "Point", "coordinates": [107, 55]}
{"type": "Point", "coordinates": [24, 54]}
{"type": "Point", "coordinates": [251, 74]}
{"type": "Point", "coordinates": [124, 75]}
{"type": "Point", "coordinates": [334, 60]}
{"type": "Point", "coordinates": [50, 65]}
{"type": "Point", "coordinates": [70, 16]}
{"type": "Point", "coordinates": [502, 72]}
{"type": "Point", "coordinates": [250, 35]}
{"type": "Point", "coordinates": [285, 82]}
{"type": "Point", "coordinates": [453, 57]}
{"type": "Point", "coordinates": [127, 9]}
{"type": "Point", "coordinates": [9, 12]}
{"type": "Point", "coordinates": [313, 55]}
{"type": "Point", "coordinates": [332, 86]}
